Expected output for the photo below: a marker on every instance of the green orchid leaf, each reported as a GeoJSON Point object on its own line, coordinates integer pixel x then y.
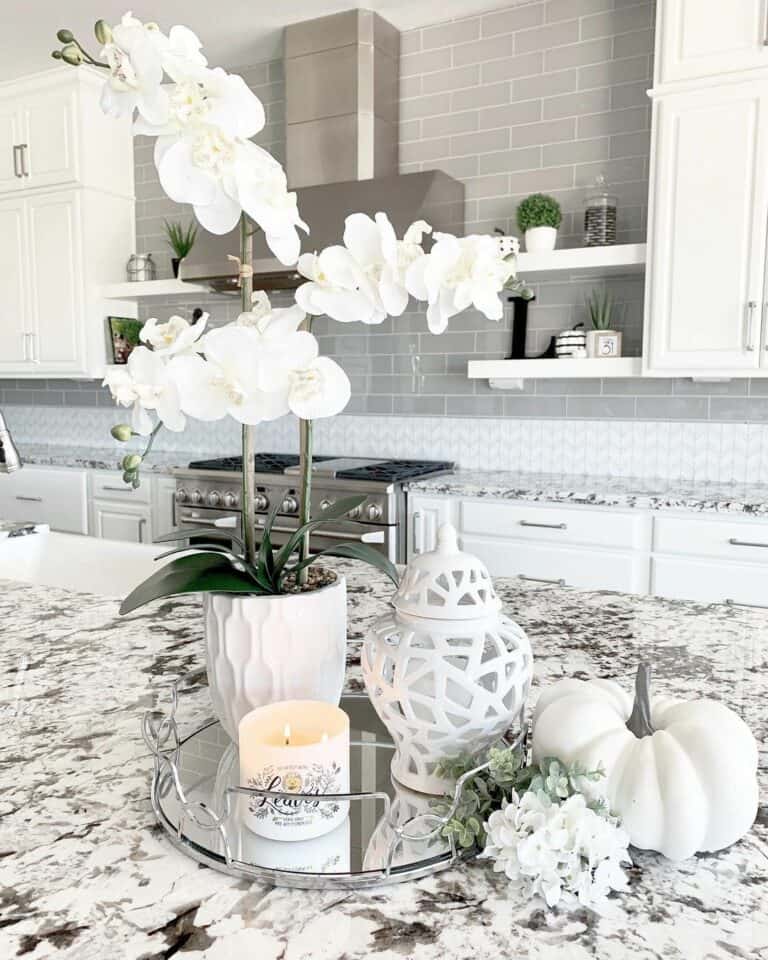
{"type": "Point", "coordinates": [265, 561]}
{"type": "Point", "coordinates": [215, 533]}
{"type": "Point", "coordinates": [336, 511]}
{"type": "Point", "coordinates": [355, 551]}
{"type": "Point", "coordinates": [196, 573]}
{"type": "Point", "coordinates": [236, 560]}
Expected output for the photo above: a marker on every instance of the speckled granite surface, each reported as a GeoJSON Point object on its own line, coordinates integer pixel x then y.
{"type": "Point", "coordinates": [601, 491]}
{"type": "Point", "coordinates": [86, 875]}
{"type": "Point", "coordinates": [102, 458]}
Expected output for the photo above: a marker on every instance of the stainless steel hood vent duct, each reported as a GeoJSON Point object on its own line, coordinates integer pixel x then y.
{"type": "Point", "coordinates": [342, 113]}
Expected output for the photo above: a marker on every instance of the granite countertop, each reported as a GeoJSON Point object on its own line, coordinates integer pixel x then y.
{"type": "Point", "coordinates": [601, 491]}
{"type": "Point", "coordinates": [88, 876]}
{"type": "Point", "coordinates": [102, 458]}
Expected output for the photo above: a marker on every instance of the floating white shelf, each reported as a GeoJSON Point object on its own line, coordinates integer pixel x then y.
{"type": "Point", "coordinates": [509, 374]}
{"type": "Point", "coordinates": [582, 262]}
{"type": "Point", "coordinates": [140, 289]}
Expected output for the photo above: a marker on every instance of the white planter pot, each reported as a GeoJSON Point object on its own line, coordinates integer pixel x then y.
{"type": "Point", "coordinates": [538, 239]}
{"type": "Point", "coordinates": [263, 649]}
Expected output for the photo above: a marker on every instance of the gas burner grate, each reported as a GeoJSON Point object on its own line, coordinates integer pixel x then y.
{"type": "Point", "coordinates": [394, 471]}
{"type": "Point", "coordinates": [262, 463]}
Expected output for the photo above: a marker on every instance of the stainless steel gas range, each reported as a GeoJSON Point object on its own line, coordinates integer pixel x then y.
{"type": "Point", "coordinates": [208, 493]}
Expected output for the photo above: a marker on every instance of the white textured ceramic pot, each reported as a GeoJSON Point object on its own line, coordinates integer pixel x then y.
{"type": "Point", "coordinates": [538, 239]}
{"type": "Point", "coordinates": [263, 649]}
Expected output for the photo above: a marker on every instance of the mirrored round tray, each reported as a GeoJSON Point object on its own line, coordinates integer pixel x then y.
{"type": "Point", "coordinates": [391, 833]}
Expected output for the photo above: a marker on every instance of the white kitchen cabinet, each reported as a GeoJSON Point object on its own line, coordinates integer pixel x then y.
{"type": "Point", "coordinates": [705, 301]}
{"type": "Point", "coordinates": [707, 38]}
{"type": "Point", "coordinates": [113, 520]}
{"type": "Point", "coordinates": [58, 497]}
{"type": "Point", "coordinates": [163, 506]}
{"type": "Point", "coordinates": [54, 133]}
{"type": "Point", "coordinates": [709, 581]}
{"type": "Point", "coordinates": [14, 340]}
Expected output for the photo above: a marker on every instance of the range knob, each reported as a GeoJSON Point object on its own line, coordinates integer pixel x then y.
{"type": "Point", "coordinates": [373, 511]}
{"type": "Point", "coordinates": [196, 497]}
{"type": "Point", "coordinates": [231, 500]}
{"type": "Point", "coordinates": [354, 513]}
{"type": "Point", "coordinates": [181, 495]}
{"type": "Point", "coordinates": [214, 498]}
{"type": "Point", "coordinates": [261, 502]}
{"type": "Point", "coordinates": [324, 504]}
{"type": "Point", "coordinates": [290, 504]}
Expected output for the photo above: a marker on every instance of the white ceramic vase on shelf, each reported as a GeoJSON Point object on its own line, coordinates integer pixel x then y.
{"type": "Point", "coordinates": [446, 672]}
{"type": "Point", "coordinates": [261, 649]}
{"type": "Point", "coordinates": [538, 239]}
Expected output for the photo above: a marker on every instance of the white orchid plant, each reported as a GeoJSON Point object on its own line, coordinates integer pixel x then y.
{"type": "Point", "coordinates": [267, 363]}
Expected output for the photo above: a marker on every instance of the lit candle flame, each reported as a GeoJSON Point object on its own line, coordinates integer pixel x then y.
{"type": "Point", "coordinates": [287, 734]}
{"type": "Point", "coordinates": [324, 738]}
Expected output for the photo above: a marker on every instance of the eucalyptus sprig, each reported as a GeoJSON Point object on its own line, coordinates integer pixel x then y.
{"type": "Point", "coordinates": [492, 787]}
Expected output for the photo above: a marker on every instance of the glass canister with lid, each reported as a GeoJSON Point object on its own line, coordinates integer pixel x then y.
{"type": "Point", "coordinates": [600, 215]}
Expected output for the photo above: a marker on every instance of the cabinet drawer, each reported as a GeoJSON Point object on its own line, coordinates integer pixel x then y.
{"type": "Point", "coordinates": [590, 569]}
{"type": "Point", "coordinates": [106, 485]}
{"type": "Point", "coordinates": [739, 542]}
{"type": "Point", "coordinates": [709, 581]}
{"type": "Point", "coordinates": [555, 525]}
{"type": "Point", "coordinates": [55, 497]}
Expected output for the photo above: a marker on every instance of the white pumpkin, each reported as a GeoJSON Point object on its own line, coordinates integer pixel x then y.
{"type": "Point", "coordinates": [681, 775]}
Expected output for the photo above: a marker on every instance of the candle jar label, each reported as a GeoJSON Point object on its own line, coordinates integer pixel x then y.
{"type": "Point", "coordinates": [297, 817]}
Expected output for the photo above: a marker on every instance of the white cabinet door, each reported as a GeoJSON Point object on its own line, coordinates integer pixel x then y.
{"type": "Point", "coordinates": [56, 308]}
{"type": "Point", "coordinates": [163, 506]}
{"type": "Point", "coordinates": [49, 495]}
{"type": "Point", "coordinates": [11, 178]}
{"type": "Point", "coordinates": [425, 516]}
{"type": "Point", "coordinates": [709, 581]}
{"type": "Point", "coordinates": [121, 521]}
{"type": "Point", "coordinates": [709, 208]}
{"type": "Point", "coordinates": [14, 339]}
{"type": "Point", "coordinates": [701, 38]}
{"type": "Point", "coordinates": [49, 154]}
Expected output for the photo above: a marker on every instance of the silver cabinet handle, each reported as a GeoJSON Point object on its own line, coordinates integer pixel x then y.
{"type": "Point", "coordinates": [30, 499]}
{"type": "Point", "coordinates": [35, 349]}
{"type": "Point", "coordinates": [557, 583]}
{"type": "Point", "coordinates": [738, 603]}
{"type": "Point", "coordinates": [749, 320]}
{"type": "Point", "coordinates": [142, 523]}
{"type": "Point", "coordinates": [24, 345]}
{"type": "Point", "coordinates": [118, 489]}
{"type": "Point", "coordinates": [418, 532]}
{"type": "Point", "coordinates": [17, 161]}
{"type": "Point", "coordinates": [546, 526]}
{"type": "Point", "coordinates": [746, 543]}
{"type": "Point", "coordinates": [376, 536]}
{"type": "Point", "coordinates": [23, 154]}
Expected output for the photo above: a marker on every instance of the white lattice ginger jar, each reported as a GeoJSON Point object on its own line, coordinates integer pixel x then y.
{"type": "Point", "coordinates": [446, 672]}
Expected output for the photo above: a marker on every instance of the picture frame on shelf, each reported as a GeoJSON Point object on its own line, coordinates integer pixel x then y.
{"type": "Point", "coordinates": [123, 337]}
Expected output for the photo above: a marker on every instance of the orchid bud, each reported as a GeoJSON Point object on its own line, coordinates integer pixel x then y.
{"type": "Point", "coordinates": [71, 55]}
{"type": "Point", "coordinates": [121, 432]}
{"type": "Point", "coordinates": [56, 54]}
{"type": "Point", "coordinates": [65, 36]}
{"type": "Point", "coordinates": [128, 477]}
{"type": "Point", "coordinates": [131, 463]}
{"type": "Point", "coordinates": [103, 31]}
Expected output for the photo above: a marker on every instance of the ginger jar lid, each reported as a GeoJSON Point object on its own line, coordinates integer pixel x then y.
{"type": "Point", "coordinates": [446, 584]}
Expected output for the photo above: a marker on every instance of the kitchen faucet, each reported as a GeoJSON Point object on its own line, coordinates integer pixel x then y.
{"type": "Point", "coordinates": [10, 460]}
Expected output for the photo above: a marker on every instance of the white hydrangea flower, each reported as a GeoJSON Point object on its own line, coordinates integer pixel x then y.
{"type": "Point", "coordinates": [557, 851]}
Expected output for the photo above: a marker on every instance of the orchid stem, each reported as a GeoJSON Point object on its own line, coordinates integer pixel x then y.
{"type": "Point", "coordinates": [248, 432]}
{"type": "Point", "coordinates": [305, 465]}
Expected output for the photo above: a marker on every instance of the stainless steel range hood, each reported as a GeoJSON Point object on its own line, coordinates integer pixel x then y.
{"type": "Point", "coordinates": [342, 113]}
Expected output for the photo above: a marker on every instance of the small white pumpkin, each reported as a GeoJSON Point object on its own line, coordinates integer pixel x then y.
{"type": "Point", "coordinates": [681, 775]}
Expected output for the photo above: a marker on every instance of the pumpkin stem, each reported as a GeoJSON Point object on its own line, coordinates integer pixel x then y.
{"type": "Point", "coordinates": [639, 721]}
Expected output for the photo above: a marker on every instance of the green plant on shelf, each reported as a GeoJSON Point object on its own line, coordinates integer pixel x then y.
{"type": "Point", "coordinates": [538, 210]}
{"type": "Point", "coordinates": [600, 309]}
{"type": "Point", "coordinates": [181, 239]}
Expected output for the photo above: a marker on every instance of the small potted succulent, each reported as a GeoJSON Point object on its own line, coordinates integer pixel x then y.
{"type": "Point", "coordinates": [181, 239]}
{"type": "Point", "coordinates": [539, 216]}
{"type": "Point", "coordinates": [602, 339]}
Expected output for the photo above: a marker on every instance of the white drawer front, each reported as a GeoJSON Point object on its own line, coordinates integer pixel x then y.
{"type": "Point", "coordinates": [109, 486]}
{"type": "Point", "coordinates": [708, 581]}
{"type": "Point", "coordinates": [740, 542]}
{"type": "Point", "coordinates": [556, 525]}
{"type": "Point", "coordinates": [55, 497]}
{"type": "Point", "coordinates": [590, 569]}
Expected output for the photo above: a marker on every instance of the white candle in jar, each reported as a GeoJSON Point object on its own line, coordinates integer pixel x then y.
{"type": "Point", "coordinates": [295, 747]}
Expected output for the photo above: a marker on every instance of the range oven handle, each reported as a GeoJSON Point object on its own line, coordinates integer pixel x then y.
{"type": "Point", "coordinates": [376, 536]}
{"type": "Point", "coordinates": [226, 522]}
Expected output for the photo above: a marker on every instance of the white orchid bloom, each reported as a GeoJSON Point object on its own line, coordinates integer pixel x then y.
{"type": "Point", "coordinates": [135, 72]}
{"type": "Point", "coordinates": [260, 307]}
{"type": "Point", "coordinates": [146, 384]}
{"type": "Point", "coordinates": [180, 53]}
{"type": "Point", "coordinates": [337, 287]}
{"type": "Point", "coordinates": [225, 383]}
{"type": "Point", "coordinates": [262, 190]}
{"type": "Point", "coordinates": [174, 337]}
{"type": "Point", "coordinates": [458, 273]}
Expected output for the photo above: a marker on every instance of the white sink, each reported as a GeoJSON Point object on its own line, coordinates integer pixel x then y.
{"type": "Point", "coordinates": [110, 568]}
